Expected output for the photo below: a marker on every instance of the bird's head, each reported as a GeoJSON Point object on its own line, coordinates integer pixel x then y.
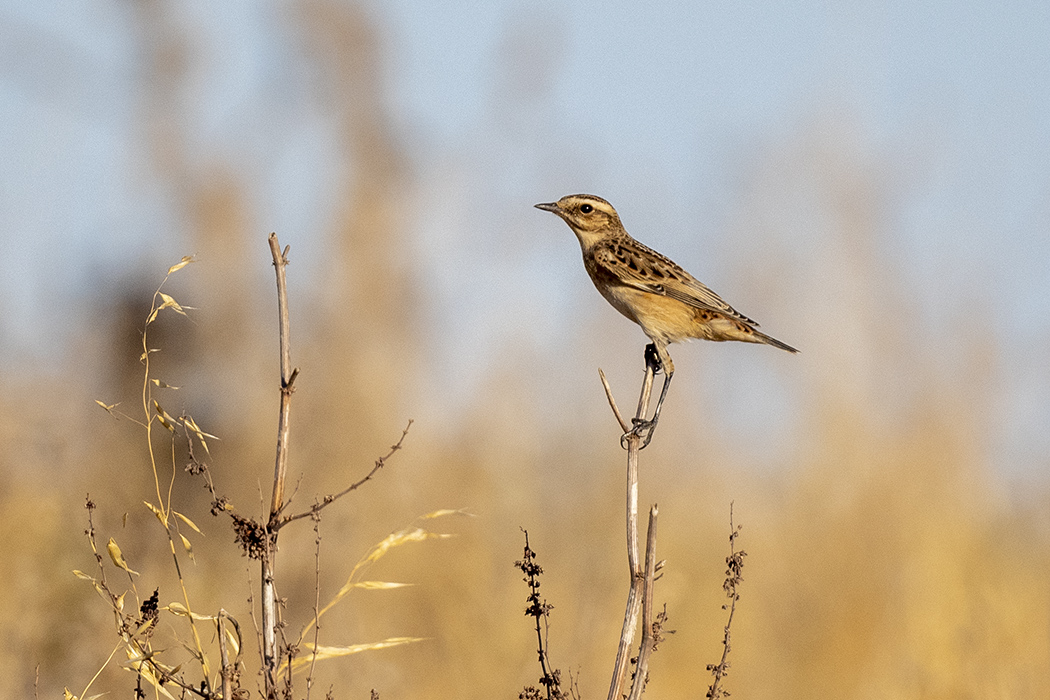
{"type": "Point", "coordinates": [591, 218]}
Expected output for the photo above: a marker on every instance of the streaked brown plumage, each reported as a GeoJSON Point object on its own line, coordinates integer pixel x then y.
{"type": "Point", "coordinates": [650, 289]}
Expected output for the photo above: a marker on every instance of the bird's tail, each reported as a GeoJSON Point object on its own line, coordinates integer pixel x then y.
{"type": "Point", "coordinates": [770, 340]}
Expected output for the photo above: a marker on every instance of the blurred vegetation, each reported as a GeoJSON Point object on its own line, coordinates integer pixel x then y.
{"type": "Point", "coordinates": [883, 559]}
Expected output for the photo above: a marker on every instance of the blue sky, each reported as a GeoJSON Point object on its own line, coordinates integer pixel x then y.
{"type": "Point", "coordinates": [664, 108]}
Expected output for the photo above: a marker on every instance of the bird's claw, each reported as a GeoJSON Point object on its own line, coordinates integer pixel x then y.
{"type": "Point", "coordinates": [643, 429]}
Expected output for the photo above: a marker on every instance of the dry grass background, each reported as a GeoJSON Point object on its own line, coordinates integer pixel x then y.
{"type": "Point", "coordinates": [884, 562]}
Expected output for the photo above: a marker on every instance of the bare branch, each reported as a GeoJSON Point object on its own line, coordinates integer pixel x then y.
{"type": "Point", "coordinates": [332, 498]}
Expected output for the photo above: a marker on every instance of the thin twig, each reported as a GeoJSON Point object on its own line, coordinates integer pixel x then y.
{"type": "Point", "coordinates": [255, 620]}
{"type": "Point", "coordinates": [317, 602]}
{"type": "Point", "coordinates": [331, 498]}
{"type": "Point", "coordinates": [612, 402]}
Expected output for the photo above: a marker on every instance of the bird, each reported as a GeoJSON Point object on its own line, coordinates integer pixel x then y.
{"type": "Point", "coordinates": [650, 289]}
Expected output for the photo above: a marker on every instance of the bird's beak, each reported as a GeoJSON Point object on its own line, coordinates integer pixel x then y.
{"type": "Point", "coordinates": [552, 207]}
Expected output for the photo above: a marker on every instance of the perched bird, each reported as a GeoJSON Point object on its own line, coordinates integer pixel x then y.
{"type": "Point", "coordinates": [666, 301]}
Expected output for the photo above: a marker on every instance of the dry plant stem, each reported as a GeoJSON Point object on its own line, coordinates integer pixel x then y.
{"type": "Point", "coordinates": [227, 671]}
{"type": "Point", "coordinates": [280, 261]}
{"type": "Point", "coordinates": [538, 609]}
{"type": "Point", "coordinates": [645, 649]}
{"type": "Point", "coordinates": [269, 632]}
{"type": "Point", "coordinates": [288, 375]}
{"type": "Point", "coordinates": [634, 597]}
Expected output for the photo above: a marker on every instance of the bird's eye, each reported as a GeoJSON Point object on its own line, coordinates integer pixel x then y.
{"type": "Point", "coordinates": [586, 208]}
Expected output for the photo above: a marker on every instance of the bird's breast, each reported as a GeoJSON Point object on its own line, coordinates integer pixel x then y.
{"type": "Point", "coordinates": [661, 318]}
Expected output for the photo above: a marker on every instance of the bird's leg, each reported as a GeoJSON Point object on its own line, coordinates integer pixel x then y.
{"type": "Point", "coordinates": [656, 413]}
{"type": "Point", "coordinates": [652, 358]}
{"type": "Point", "coordinates": [652, 361]}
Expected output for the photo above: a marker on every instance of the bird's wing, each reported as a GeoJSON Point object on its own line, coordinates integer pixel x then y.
{"type": "Point", "coordinates": [635, 265]}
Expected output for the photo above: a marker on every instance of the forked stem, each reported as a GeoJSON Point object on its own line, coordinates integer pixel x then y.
{"type": "Point", "coordinates": [640, 579]}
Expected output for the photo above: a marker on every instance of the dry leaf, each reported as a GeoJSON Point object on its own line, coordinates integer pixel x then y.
{"type": "Point", "coordinates": [186, 520]}
{"type": "Point", "coordinates": [117, 557]}
{"type": "Point", "coordinates": [188, 547]}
